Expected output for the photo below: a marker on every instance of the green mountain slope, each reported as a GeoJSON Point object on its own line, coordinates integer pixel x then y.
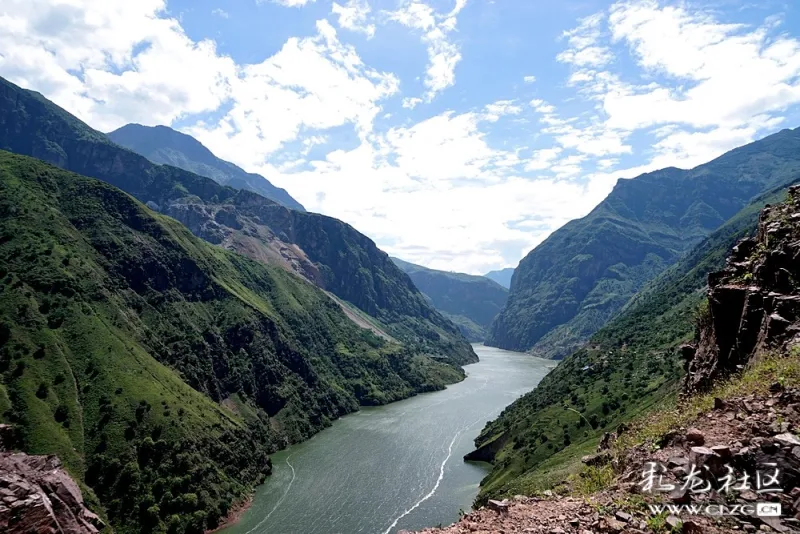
{"type": "Point", "coordinates": [472, 302]}
{"type": "Point", "coordinates": [628, 366]}
{"type": "Point", "coordinates": [584, 273]}
{"type": "Point", "coordinates": [162, 369]}
{"type": "Point", "coordinates": [502, 277]}
{"type": "Point", "coordinates": [163, 145]}
{"type": "Point", "coordinates": [325, 251]}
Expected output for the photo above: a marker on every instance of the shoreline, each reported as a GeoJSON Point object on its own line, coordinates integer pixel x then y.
{"type": "Point", "coordinates": [234, 514]}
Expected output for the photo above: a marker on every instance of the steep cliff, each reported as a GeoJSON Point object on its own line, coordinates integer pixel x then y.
{"type": "Point", "coordinates": [572, 284]}
{"type": "Point", "coordinates": [39, 496]}
{"type": "Point", "coordinates": [326, 251]}
{"type": "Point", "coordinates": [628, 366]}
{"type": "Point", "coordinates": [754, 303]}
{"type": "Point", "coordinates": [163, 145]}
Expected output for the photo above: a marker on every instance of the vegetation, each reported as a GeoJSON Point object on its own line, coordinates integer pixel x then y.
{"type": "Point", "coordinates": [162, 370]}
{"type": "Point", "coordinates": [471, 302]}
{"type": "Point", "coordinates": [571, 285]}
{"type": "Point", "coordinates": [163, 145]}
{"type": "Point", "coordinates": [336, 256]}
{"type": "Point", "coordinates": [502, 277]}
{"type": "Point", "coordinates": [629, 367]}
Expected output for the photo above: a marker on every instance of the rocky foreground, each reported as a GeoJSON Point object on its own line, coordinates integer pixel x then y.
{"type": "Point", "coordinates": [735, 448]}
{"type": "Point", "coordinates": [748, 433]}
{"type": "Point", "coordinates": [38, 496]}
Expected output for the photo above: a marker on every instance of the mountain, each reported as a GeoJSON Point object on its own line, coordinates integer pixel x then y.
{"type": "Point", "coordinates": [371, 289]}
{"type": "Point", "coordinates": [165, 146]}
{"type": "Point", "coordinates": [161, 369]}
{"type": "Point", "coordinates": [569, 286]}
{"type": "Point", "coordinates": [471, 302]}
{"type": "Point", "coordinates": [629, 366]}
{"type": "Point", "coordinates": [502, 277]}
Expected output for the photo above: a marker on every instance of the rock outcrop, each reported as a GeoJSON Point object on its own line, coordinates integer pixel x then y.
{"type": "Point", "coordinates": [754, 303]}
{"type": "Point", "coordinates": [38, 495]}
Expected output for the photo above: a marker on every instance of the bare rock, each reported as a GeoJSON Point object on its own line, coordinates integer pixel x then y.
{"type": "Point", "coordinates": [673, 522]}
{"type": "Point", "coordinates": [695, 436]}
{"type": "Point", "coordinates": [498, 506]}
{"type": "Point", "coordinates": [787, 440]}
{"type": "Point", "coordinates": [599, 458]}
{"type": "Point", "coordinates": [623, 516]}
{"type": "Point", "coordinates": [39, 496]}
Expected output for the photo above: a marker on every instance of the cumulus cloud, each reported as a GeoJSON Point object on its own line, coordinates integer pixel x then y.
{"type": "Point", "coordinates": [112, 62]}
{"type": "Point", "coordinates": [443, 54]}
{"type": "Point", "coordinates": [646, 85]}
{"type": "Point", "coordinates": [315, 83]}
{"type": "Point", "coordinates": [583, 49]}
{"type": "Point", "coordinates": [703, 86]}
{"type": "Point", "coordinates": [288, 3]}
{"type": "Point", "coordinates": [354, 16]}
{"type": "Point", "coordinates": [462, 203]}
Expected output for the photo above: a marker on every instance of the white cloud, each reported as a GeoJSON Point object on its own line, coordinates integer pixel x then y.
{"type": "Point", "coordinates": [462, 190]}
{"type": "Point", "coordinates": [314, 83]}
{"type": "Point", "coordinates": [501, 108]}
{"type": "Point", "coordinates": [583, 50]}
{"type": "Point", "coordinates": [411, 102]}
{"type": "Point", "coordinates": [353, 15]}
{"type": "Point", "coordinates": [725, 74]}
{"type": "Point", "coordinates": [703, 88]}
{"type": "Point", "coordinates": [112, 62]}
{"type": "Point", "coordinates": [288, 3]}
{"type": "Point", "coordinates": [460, 202]}
{"type": "Point", "coordinates": [443, 55]}
{"type": "Point", "coordinates": [540, 106]}
{"type": "Point", "coordinates": [542, 159]}
{"type": "Point", "coordinates": [220, 13]}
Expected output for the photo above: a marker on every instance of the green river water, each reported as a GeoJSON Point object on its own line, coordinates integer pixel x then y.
{"type": "Point", "coordinates": [394, 467]}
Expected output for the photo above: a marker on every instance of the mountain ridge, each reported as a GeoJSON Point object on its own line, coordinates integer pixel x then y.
{"type": "Point", "coordinates": [501, 276]}
{"type": "Point", "coordinates": [163, 370]}
{"type": "Point", "coordinates": [240, 220]}
{"type": "Point", "coordinates": [569, 286]}
{"type": "Point", "coordinates": [166, 146]}
{"type": "Point", "coordinates": [470, 301]}
{"type": "Point", "coordinates": [630, 365]}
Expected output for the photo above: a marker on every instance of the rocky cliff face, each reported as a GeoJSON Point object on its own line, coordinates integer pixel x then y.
{"type": "Point", "coordinates": [38, 495]}
{"type": "Point", "coordinates": [754, 303]}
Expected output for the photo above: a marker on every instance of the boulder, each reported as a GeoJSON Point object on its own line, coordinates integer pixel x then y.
{"type": "Point", "coordinates": [695, 437]}
{"type": "Point", "coordinates": [39, 496]}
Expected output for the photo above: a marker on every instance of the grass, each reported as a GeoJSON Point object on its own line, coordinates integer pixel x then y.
{"type": "Point", "coordinates": [629, 368]}
{"type": "Point", "coordinates": [163, 370]}
{"type": "Point", "coordinates": [763, 372]}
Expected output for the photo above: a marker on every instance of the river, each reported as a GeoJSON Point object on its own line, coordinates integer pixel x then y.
{"type": "Point", "coordinates": [393, 467]}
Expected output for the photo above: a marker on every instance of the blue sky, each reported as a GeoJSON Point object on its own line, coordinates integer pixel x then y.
{"type": "Point", "coordinates": [457, 134]}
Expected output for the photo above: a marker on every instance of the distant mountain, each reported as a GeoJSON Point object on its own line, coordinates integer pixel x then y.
{"type": "Point", "coordinates": [584, 273]}
{"type": "Point", "coordinates": [162, 370]}
{"type": "Point", "coordinates": [502, 277]}
{"type": "Point", "coordinates": [326, 251]}
{"type": "Point", "coordinates": [628, 366]}
{"type": "Point", "coordinates": [471, 302]}
{"type": "Point", "coordinates": [165, 146]}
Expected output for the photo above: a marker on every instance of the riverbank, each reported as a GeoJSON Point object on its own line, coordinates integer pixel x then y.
{"type": "Point", "coordinates": [234, 515]}
{"type": "Point", "coordinates": [747, 430]}
{"type": "Point", "coordinates": [392, 467]}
